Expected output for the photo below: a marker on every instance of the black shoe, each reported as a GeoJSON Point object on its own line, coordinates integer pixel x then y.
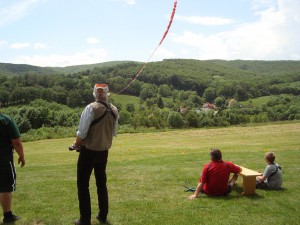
{"type": "Point", "coordinates": [102, 218]}
{"type": "Point", "coordinates": [11, 219]}
{"type": "Point", "coordinates": [79, 222]}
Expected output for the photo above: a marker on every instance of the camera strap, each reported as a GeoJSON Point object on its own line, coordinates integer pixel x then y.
{"type": "Point", "coordinates": [107, 110]}
{"type": "Point", "coordinates": [272, 174]}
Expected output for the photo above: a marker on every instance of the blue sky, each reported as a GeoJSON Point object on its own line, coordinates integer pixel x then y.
{"type": "Point", "coordinates": [73, 32]}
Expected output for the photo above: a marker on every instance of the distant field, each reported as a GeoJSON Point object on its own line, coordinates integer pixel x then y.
{"type": "Point", "coordinates": [257, 101]}
{"type": "Point", "coordinates": [146, 173]}
{"type": "Point", "coordinates": [126, 99]}
{"type": "Point", "coordinates": [263, 100]}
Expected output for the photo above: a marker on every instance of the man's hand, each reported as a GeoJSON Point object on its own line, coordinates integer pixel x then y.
{"type": "Point", "coordinates": [193, 196]}
{"type": "Point", "coordinates": [74, 147]}
{"type": "Point", "coordinates": [197, 192]}
{"type": "Point", "coordinates": [18, 146]}
{"type": "Point", "coordinates": [21, 160]}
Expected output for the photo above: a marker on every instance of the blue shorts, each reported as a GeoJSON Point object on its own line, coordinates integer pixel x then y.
{"type": "Point", "coordinates": [7, 176]}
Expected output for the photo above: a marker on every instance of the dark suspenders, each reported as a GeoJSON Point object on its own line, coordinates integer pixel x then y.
{"type": "Point", "coordinates": [272, 174]}
{"type": "Point", "coordinates": [107, 110]}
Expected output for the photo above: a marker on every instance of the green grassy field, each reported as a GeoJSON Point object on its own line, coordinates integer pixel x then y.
{"type": "Point", "coordinates": [263, 100]}
{"type": "Point", "coordinates": [126, 99]}
{"type": "Point", "coordinates": [146, 173]}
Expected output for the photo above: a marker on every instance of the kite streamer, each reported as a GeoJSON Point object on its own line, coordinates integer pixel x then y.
{"type": "Point", "coordinates": [161, 41]}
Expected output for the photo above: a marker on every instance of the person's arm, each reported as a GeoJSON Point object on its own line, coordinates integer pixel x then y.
{"type": "Point", "coordinates": [201, 182]}
{"type": "Point", "coordinates": [78, 141]}
{"type": "Point", "coordinates": [268, 171]}
{"type": "Point", "coordinates": [261, 178]}
{"type": "Point", "coordinates": [234, 168]}
{"type": "Point", "coordinates": [197, 191]}
{"type": "Point", "coordinates": [86, 119]}
{"type": "Point", "coordinates": [116, 125]}
{"type": "Point", "coordinates": [18, 146]}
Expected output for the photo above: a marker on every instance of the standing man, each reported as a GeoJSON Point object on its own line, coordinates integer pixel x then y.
{"type": "Point", "coordinates": [215, 176]}
{"type": "Point", "coordinates": [97, 126]}
{"type": "Point", "coordinates": [9, 140]}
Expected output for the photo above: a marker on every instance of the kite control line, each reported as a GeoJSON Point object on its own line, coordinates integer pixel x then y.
{"type": "Point", "coordinates": [161, 41]}
{"type": "Point", "coordinates": [188, 188]}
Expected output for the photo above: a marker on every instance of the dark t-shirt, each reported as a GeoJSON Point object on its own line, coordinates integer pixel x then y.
{"type": "Point", "coordinates": [8, 131]}
{"type": "Point", "coordinates": [215, 176]}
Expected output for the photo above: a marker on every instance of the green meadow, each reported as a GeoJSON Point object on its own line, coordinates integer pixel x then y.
{"type": "Point", "coordinates": [126, 99]}
{"type": "Point", "coordinates": [146, 173]}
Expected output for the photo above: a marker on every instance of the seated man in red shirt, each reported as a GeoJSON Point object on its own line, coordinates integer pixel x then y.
{"type": "Point", "coordinates": [215, 176]}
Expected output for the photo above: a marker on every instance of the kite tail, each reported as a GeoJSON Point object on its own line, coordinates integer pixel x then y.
{"type": "Point", "coordinates": [170, 22]}
{"type": "Point", "coordinates": [163, 38]}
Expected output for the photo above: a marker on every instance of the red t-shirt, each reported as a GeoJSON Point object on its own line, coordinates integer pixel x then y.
{"type": "Point", "coordinates": [215, 176]}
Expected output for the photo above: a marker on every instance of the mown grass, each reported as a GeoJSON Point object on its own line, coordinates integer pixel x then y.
{"type": "Point", "coordinates": [146, 173]}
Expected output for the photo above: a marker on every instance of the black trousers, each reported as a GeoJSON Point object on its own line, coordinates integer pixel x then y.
{"type": "Point", "coordinates": [87, 161]}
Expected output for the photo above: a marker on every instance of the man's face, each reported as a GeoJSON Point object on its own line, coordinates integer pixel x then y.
{"type": "Point", "coordinates": [101, 95]}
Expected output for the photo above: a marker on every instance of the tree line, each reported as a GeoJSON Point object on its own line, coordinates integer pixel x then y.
{"type": "Point", "coordinates": [171, 93]}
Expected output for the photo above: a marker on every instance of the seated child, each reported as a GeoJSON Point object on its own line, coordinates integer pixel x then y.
{"type": "Point", "coordinates": [272, 177]}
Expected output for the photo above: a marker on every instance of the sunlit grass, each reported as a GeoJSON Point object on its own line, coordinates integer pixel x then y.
{"type": "Point", "coordinates": [146, 173]}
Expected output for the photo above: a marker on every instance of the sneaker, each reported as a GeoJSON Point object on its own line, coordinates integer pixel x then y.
{"type": "Point", "coordinates": [79, 222]}
{"type": "Point", "coordinates": [11, 219]}
{"type": "Point", "coordinates": [102, 218]}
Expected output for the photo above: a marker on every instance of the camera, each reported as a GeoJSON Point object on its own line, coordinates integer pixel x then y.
{"type": "Point", "coordinates": [74, 147]}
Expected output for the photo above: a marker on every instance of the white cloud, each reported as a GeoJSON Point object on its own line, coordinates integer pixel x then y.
{"type": "Point", "coordinates": [206, 21]}
{"type": "Point", "coordinates": [40, 46]}
{"type": "Point", "coordinates": [20, 45]}
{"type": "Point", "coordinates": [92, 40]}
{"type": "Point", "coordinates": [274, 36]}
{"type": "Point", "coordinates": [16, 10]}
{"type": "Point", "coordinates": [130, 2]}
{"type": "Point", "coordinates": [89, 56]}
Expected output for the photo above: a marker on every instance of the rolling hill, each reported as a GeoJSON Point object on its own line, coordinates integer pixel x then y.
{"type": "Point", "coordinates": [194, 68]}
{"type": "Point", "coordinates": [10, 69]}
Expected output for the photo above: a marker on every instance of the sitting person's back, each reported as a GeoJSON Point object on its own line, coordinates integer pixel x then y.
{"type": "Point", "coordinates": [272, 177]}
{"type": "Point", "coordinates": [215, 176]}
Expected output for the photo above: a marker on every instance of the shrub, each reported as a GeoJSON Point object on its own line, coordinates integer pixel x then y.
{"type": "Point", "coordinates": [175, 120]}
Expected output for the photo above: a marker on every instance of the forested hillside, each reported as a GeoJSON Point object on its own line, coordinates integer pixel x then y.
{"type": "Point", "coordinates": [9, 69]}
{"type": "Point", "coordinates": [170, 93]}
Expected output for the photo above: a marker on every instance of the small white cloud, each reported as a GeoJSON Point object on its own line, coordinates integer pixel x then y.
{"type": "Point", "coordinates": [20, 45]}
{"type": "Point", "coordinates": [206, 21]}
{"type": "Point", "coordinates": [16, 10]}
{"type": "Point", "coordinates": [92, 40]}
{"type": "Point", "coordinates": [40, 46]}
{"type": "Point", "coordinates": [89, 56]}
{"type": "Point", "coordinates": [130, 2]}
